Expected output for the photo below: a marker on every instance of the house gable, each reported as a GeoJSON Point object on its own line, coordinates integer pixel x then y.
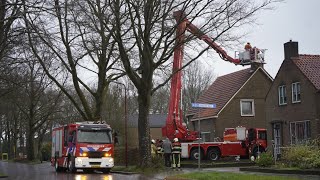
{"type": "Point", "coordinates": [223, 90]}
{"type": "Point", "coordinates": [256, 86]}
{"type": "Point", "coordinates": [219, 93]}
{"type": "Point", "coordinates": [255, 89]}
{"type": "Point", "coordinates": [302, 70]}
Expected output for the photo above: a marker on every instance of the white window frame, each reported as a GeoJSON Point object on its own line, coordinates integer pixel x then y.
{"type": "Point", "coordinates": [282, 91]}
{"type": "Point", "coordinates": [252, 107]}
{"type": "Point", "coordinates": [306, 135]}
{"type": "Point", "coordinates": [295, 91]}
{"type": "Point", "coordinates": [203, 136]}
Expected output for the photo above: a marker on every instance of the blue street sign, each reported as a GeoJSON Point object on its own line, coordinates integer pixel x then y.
{"type": "Point", "coordinates": [199, 105]}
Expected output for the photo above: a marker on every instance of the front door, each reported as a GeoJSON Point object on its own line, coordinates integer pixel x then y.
{"type": "Point", "coordinates": [277, 139]}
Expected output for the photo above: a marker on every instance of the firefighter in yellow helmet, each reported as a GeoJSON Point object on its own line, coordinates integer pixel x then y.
{"type": "Point", "coordinates": [176, 153]}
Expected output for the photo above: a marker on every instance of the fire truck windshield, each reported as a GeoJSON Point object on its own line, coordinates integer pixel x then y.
{"type": "Point", "coordinates": [94, 136]}
{"type": "Point", "coordinates": [262, 135]}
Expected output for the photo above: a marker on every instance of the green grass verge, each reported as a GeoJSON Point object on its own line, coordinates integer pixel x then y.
{"type": "Point", "coordinates": [226, 176]}
{"type": "Point", "coordinates": [2, 175]}
{"type": "Point", "coordinates": [136, 169]}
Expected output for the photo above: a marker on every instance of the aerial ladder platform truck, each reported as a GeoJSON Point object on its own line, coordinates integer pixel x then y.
{"type": "Point", "coordinates": [246, 142]}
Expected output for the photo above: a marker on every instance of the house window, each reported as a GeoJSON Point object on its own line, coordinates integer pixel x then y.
{"type": "Point", "coordinates": [300, 131]}
{"type": "Point", "coordinates": [247, 107]}
{"type": "Point", "coordinates": [282, 95]}
{"type": "Point", "coordinates": [296, 92]}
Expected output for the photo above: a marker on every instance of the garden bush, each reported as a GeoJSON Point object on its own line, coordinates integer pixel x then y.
{"type": "Point", "coordinates": [45, 152]}
{"type": "Point", "coordinates": [265, 160]}
{"type": "Point", "coordinates": [303, 156]}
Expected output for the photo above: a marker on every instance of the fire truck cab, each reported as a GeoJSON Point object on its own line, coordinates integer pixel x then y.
{"type": "Point", "coordinates": [85, 145]}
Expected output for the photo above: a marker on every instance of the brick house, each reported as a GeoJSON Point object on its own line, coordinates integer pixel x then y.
{"type": "Point", "coordinates": [293, 102]}
{"type": "Point", "coordinates": [240, 101]}
{"type": "Point", "coordinates": [156, 122]}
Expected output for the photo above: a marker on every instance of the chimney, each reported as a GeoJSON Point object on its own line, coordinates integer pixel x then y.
{"type": "Point", "coordinates": [291, 50]}
{"type": "Point", "coordinates": [255, 66]}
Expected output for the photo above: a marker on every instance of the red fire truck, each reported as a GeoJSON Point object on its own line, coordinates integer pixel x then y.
{"type": "Point", "coordinates": [250, 141]}
{"type": "Point", "coordinates": [85, 145]}
{"type": "Point", "coordinates": [241, 143]}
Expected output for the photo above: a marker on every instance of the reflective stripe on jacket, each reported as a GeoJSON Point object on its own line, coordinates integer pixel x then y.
{"type": "Point", "coordinates": [176, 148]}
{"type": "Point", "coordinates": [159, 150]}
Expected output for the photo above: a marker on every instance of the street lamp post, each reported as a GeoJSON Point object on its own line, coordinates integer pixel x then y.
{"type": "Point", "coordinates": [125, 125]}
{"type": "Point", "coordinates": [125, 121]}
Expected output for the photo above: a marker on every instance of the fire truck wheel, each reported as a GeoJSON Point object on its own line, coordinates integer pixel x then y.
{"type": "Point", "coordinates": [213, 154]}
{"type": "Point", "coordinates": [56, 166]}
{"type": "Point", "coordinates": [194, 155]}
{"type": "Point", "coordinates": [71, 164]}
{"type": "Point", "coordinates": [106, 170]}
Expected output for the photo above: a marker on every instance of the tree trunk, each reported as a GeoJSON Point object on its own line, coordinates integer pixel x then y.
{"type": "Point", "coordinates": [30, 143]}
{"type": "Point", "coordinates": [40, 140]}
{"type": "Point", "coordinates": [1, 138]}
{"type": "Point", "coordinates": [15, 137]}
{"type": "Point", "coordinates": [8, 139]}
{"type": "Point", "coordinates": [144, 128]}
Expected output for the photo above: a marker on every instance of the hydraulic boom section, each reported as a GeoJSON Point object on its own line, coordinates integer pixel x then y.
{"type": "Point", "coordinates": [181, 17]}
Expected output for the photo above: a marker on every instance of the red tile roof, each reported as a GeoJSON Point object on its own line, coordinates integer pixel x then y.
{"type": "Point", "coordinates": [310, 67]}
{"type": "Point", "coordinates": [220, 92]}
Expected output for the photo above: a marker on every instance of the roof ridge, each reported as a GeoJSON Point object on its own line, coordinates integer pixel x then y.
{"type": "Point", "coordinates": [229, 74]}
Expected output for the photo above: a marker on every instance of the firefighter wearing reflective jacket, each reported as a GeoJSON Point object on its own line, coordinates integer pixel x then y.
{"type": "Point", "coordinates": [159, 148]}
{"type": "Point", "coordinates": [176, 153]}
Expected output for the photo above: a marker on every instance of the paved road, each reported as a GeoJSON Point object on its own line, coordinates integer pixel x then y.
{"type": "Point", "coordinates": [44, 171]}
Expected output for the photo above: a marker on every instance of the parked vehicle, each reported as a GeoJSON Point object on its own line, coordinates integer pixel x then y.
{"type": "Point", "coordinates": [85, 145]}
{"type": "Point", "coordinates": [246, 143]}
{"type": "Point", "coordinates": [252, 141]}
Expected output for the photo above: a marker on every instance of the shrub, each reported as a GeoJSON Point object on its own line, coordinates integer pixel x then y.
{"type": "Point", "coordinates": [303, 156]}
{"type": "Point", "coordinates": [45, 152]}
{"type": "Point", "coordinates": [265, 160]}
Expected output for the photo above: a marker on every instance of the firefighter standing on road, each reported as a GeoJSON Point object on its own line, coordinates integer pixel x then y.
{"type": "Point", "coordinates": [176, 153]}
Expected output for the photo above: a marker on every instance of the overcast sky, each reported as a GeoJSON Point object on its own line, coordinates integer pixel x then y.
{"type": "Point", "coordinates": [298, 20]}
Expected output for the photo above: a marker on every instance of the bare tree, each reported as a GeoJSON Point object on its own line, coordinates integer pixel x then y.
{"type": "Point", "coordinates": [145, 35]}
{"type": "Point", "coordinates": [10, 117]}
{"type": "Point", "coordinates": [196, 79]}
{"type": "Point", "coordinates": [73, 33]}
{"type": "Point", "coordinates": [36, 102]}
{"type": "Point", "coordinates": [9, 12]}
{"type": "Point", "coordinates": [159, 101]}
